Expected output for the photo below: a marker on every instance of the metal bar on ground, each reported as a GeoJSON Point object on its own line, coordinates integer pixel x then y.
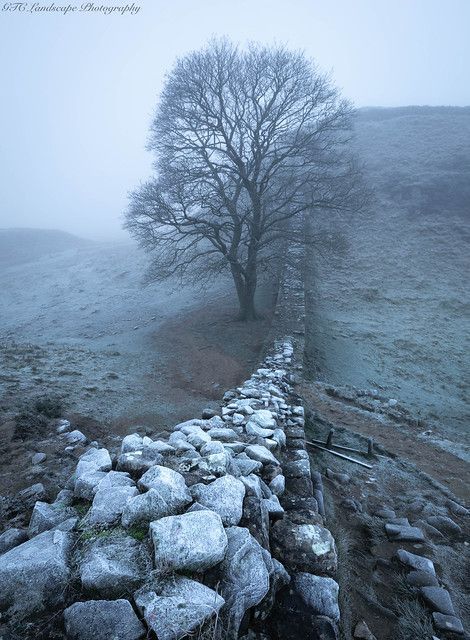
{"type": "Point", "coordinates": [340, 455]}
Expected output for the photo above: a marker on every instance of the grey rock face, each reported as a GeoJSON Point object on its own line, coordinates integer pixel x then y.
{"type": "Point", "coordinates": [246, 466]}
{"type": "Point", "coordinates": [46, 516]}
{"type": "Point", "coordinates": [318, 593]}
{"type": "Point", "coordinates": [253, 429]}
{"type": "Point", "coordinates": [224, 496]}
{"type": "Point", "coordinates": [170, 486]}
{"type": "Point", "coordinates": [278, 485]}
{"type": "Point", "coordinates": [102, 620]}
{"type": "Point", "coordinates": [114, 565]}
{"type": "Point", "coordinates": [402, 532]}
{"type": "Point", "coordinates": [223, 434]}
{"type": "Point", "coordinates": [86, 484]}
{"type": "Point", "coordinates": [194, 541]}
{"type": "Point", "coordinates": [35, 575]}
{"type": "Point", "coordinates": [12, 538]}
{"type": "Point", "coordinates": [108, 505]}
{"type": "Point", "coordinates": [132, 442]}
{"type": "Point", "coordinates": [421, 579]}
{"type": "Point", "coordinates": [178, 608]}
{"type": "Point", "coordinates": [304, 547]}
{"type": "Point", "coordinates": [245, 577]}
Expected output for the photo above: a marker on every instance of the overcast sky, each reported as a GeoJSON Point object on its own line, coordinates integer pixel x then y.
{"type": "Point", "coordinates": [78, 90]}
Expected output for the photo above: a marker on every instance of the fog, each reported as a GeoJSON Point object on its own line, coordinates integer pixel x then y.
{"type": "Point", "coordinates": [78, 90]}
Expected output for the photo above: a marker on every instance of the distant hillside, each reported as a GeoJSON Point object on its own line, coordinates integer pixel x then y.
{"type": "Point", "coordinates": [418, 157]}
{"type": "Point", "coordinates": [18, 246]}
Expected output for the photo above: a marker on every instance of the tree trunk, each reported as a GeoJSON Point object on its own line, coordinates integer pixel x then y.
{"type": "Point", "coordinates": [246, 296]}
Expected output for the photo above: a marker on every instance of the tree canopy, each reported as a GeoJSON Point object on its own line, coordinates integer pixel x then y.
{"type": "Point", "coordinates": [247, 142]}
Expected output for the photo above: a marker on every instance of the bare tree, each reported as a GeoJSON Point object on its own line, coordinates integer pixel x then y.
{"type": "Point", "coordinates": [247, 141]}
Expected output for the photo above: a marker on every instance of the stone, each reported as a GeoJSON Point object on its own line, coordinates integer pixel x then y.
{"type": "Point", "coordinates": [303, 547]}
{"type": "Point", "coordinates": [429, 530]}
{"type": "Point", "coordinates": [256, 519]}
{"type": "Point", "coordinates": [224, 496]}
{"type": "Point", "coordinates": [63, 426]}
{"type": "Point", "coordinates": [194, 541]}
{"type": "Point", "coordinates": [264, 418]}
{"type": "Point", "coordinates": [113, 565]}
{"type": "Point", "coordinates": [132, 442]}
{"type": "Point", "coordinates": [177, 607]}
{"type": "Point", "coordinates": [456, 508]}
{"type": "Point", "coordinates": [212, 447]}
{"type": "Point", "coordinates": [108, 505]}
{"type": "Point", "coordinates": [319, 594]}
{"type": "Point", "coordinates": [198, 438]}
{"type": "Point", "coordinates": [246, 466]}
{"type": "Point", "coordinates": [170, 486]}
{"type": "Point", "coordinates": [362, 632]}
{"type": "Point", "coordinates": [396, 532]}
{"type": "Point", "coordinates": [445, 525]}
{"type": "Point", "coordinates": [438, 599]}
{"type": "Point", "coordinates": [34, 576]}
{"type": "Point", "coordinates": [297, 469]}
{"type": "Point", "coordinates": [420, 563]}
{"type": "Point", "coordinates": [208, 413]}
{"type": "Point", "coordinates": [386, 513]}
{"type": "Point", "coordinates": [161, 447]}
{"type": "Point", "coordinates": [102, 620]}
{"type": "Point", "coordinates": [244, 578]}
{"type": "Point", "coordinates": [115, 479]}
{"type": "Point", "coordinates": [261, 454]}
{"type": "Point", "coordinates": [449, 624]}
{"type": "Point", "coordinates": [92, 461]}
{"type": "Point", "coordinates": [253, 429]}
{"type": "Point", "coordinates": [39, 457]}
{"type": "Point", "coordinates": [278, 485]}
{"type": "Point", "coordinates": [218, 463]}
{"type": "Point", "coordinates": [421, 579]}
{"type": "Point", "coordinates": [32, 493]}
{"type": "Point", "coordinates": [138, 462]}
{"type": "Point", "coordinates": [12, 538]}
{"type": "Point", "coordinates": [223, 434]}
{"type": "Point", "coordinates": [86, 485]}
{"type": "Point", "coordinates": [145, 507]}
{"type": "Point", "coordinates": [47, 516]}
{"type": "Point", "coordinates": [75, 437]}
{"type": "Point", "coordinates": [274, 507]}
{"type": "Point", "coordinates": [279, 438]}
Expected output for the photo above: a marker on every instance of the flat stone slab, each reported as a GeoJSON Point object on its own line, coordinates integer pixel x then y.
{"type": "Point", "coordinates": [194, 541]}
{"type": "Point", "coordinates": [438, 599]}
{"type": "Point", "coordinates": [420, 563]}
{"type": "Point", "coordinates": [318, 593]}
{"type": "Point", "coordinates": [421, 579]}
{"type": "Point", "coordinates": [114, 565]}
{"type": "Point", "coordinates": [178, 607]}
{"type": "Point", "coordinates": [34, 576]}
{"type": "Point", "coordinates": [261, 454]}
{"type": "Point", "coordinates": [103, 620]}
{"type": "Point", "coordinates": [399, 533]}
{"type": "Point", "coordinates": [224, 496]}
{"type": "Point", "coordinates": [450, 624]}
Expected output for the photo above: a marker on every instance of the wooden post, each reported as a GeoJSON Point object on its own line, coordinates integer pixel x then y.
{"type": "Point", "coordinates": [329, 440]}
{"type": "Point", "coordinates": [370, 447]}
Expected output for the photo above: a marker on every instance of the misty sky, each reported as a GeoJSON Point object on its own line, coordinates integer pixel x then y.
{"type": "Point", "coordinates": [78, 90]}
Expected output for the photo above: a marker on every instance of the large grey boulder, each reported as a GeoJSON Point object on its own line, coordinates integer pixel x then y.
{"type": "Point", "coordinates": [419, 563]}
{"type": "Point", "coordinates": [102, 620]}
{"type": "Point", "coordinates": [114, 565]}
{"type": "Point", "coordinates": [46, 516]}
{"type": "Point", "coordinates": [170, 486]}
{"type": "Point", "coordinates": [224, 496]}
{"type": "Point", "coordinates": [35, 575]}
{"type": "Point", "coordinates": [108, 505]}
{"type": "Point", "coordinates": [86, 484]}
{"type": "Point", "coordinates": [320, 594]}
{"type": "Point", "coordinates": [244, 577]}
{"type": "Point", "coordinates": [304, 547]}
{"type": "Point", "coordinates": [177, 607]}
{"type": "Point", "coordinates": [194, 541]}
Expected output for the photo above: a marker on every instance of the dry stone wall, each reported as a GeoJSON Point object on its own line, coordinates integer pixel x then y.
{"type": "Point", "coordinates": [216, 532]}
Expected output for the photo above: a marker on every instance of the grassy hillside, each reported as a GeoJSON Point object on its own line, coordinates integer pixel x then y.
{"type": "Point", "coordinates": [19, 246]}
